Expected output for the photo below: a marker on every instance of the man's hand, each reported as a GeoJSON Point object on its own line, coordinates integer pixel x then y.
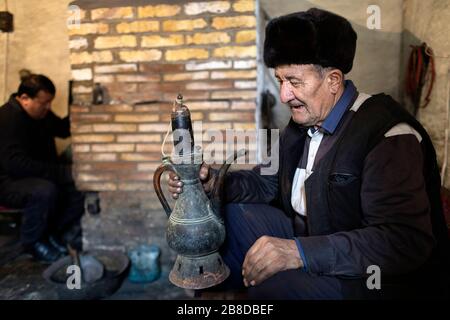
{"type": "Point", "coordinates": [268, 256]}
{"type": "Point", "coordinates": [207, 179]}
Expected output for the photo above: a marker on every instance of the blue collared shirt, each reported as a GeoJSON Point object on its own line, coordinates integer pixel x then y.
{"type": "Point", "coordinates": [332, 120]}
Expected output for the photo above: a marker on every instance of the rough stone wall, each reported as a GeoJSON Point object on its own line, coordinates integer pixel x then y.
{"type": "Point", "coordinates": [427, 21]}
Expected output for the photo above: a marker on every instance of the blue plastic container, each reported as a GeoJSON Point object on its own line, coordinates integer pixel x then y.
{"type": "Point", "coordinates": [145, 264]}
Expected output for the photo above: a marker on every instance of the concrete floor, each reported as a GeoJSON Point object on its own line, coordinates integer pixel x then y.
{"type": "Point", "coordinates": [21, 277]}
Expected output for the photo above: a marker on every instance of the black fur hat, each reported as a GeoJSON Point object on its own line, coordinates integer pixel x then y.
{"type": "Point", "coordinates": [310, 37]}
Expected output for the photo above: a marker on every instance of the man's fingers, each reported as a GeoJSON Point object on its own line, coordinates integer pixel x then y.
{"type": "Point", "coordinates": [253, 261]}
{"type": "Point", "coordinates": [204, 172]}
{"type": "Point", "coordinates": [265, 272]}
{"type": "Point", "coordinates": [175, 190]}
{"type": "Point", "coordinates": [174, 181]}
{"type": "Point", "coordinates": [175, 185]}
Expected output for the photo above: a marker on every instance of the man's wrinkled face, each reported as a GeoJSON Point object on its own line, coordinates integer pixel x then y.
{"type": "Point", "coordinates": [306, 92]}
{"type": "Point", "coordinates": [37, 107]}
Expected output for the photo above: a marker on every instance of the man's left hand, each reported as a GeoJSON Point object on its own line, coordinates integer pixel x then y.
{"type": "Point", "coordinates": [268, 256]}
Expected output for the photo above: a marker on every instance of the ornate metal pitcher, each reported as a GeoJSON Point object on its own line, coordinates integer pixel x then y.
{"type": "Point", "coordinates": [195, 227]}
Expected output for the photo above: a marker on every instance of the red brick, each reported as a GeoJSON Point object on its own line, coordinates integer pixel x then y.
{"type": "Point", "coordinates": [95, 176]}
{"type": "Point", "coordinates": [136, 118]}
{"type": "Point", "coordinates": [138, 138]}
{"type": "Point", "coordinates": [124, 41]}
{"type": "Point", "coordinates": [81, 148]}
{"type": "Point", "coordinates": [152, 128]}
{"type": "Point", "coordinates": [216, 125]}
{"type": "Point", "coordinates": [152, 108]}
{"type": "Point", "coordinates": [139, 157]}
{"type": "Point", "coordinates": [141, 97]}
{"type": "Point", "coordinates": [161, 87]}
{"type": "Point", "coordinates": [79, 128]}
{"type": "Point", "coordinates": [138, 78]}
{"type": "Point", "coordinates": [195, 8]}
{"type": "Point", "coordinates": [235, 52]}
{"type": "Point", "coordinates": [139, 176]}
{"type": "Point", "coordinates": [147, 147]}
{"type": "Point", "coordinates": [210, 65]}
{"type": "Point", "coordinates": [112, 147]}
{"type": "Point", "coordinates": [121, 87]}
{"type": "Point", "coordinates": [79, 109]}
{"type": "Point", "coordinates": [234, 22]}
{"type": "Point", "coordinates": [135, 186]}
{"type": "Point", "coordinates": [243, 105]}
{"type": "Point", "coordinates": [186, 76]}
{"type": "Point", "coordinates": [236, 116]}
{"type": "Point", "coordinates": [188, 95]}
{"type": "Point", "coordinates": [86, 138]}
{"type": "Point", "coordinates": [95, 157]}
{"type": "Point", "coordinates": [234, 94]}
{"type": "Point", "coordinates": [113, 108]}
{"type": "Point", "coordinates": [91, 117]}
{"type": "Point", "coordinates": [112, 13]}
{"type": "Point", "coordinates": [148, 166]}
{"type": "Point", "coordinates": [104, 78]}
{"type": "Point", "coordinates": [82, 167]}
{"type": "Point", "coordinates": [208, 105]}
{"type": "Point", "coordinates": [160, 67]}
{"type": "Point", "coordinates": [209, 85]}
{"type": "Point", "coordinates": [186, 54]}
{"type": "Point", "coordinates": [104, 186]}
{"type": "Point", "coordinates": [114, 127]}
{"type": "Point", "coordinates": [115, 68]}
{"type": "Point", "coordinates": [245, 84]}
{"type": "Point", "coordinates": [248, 74]}
{"type": "Point", "coordinates": [244, 126]}
{"type": "Point", "coordinates": [184, 25]}
{"type": "Point", "coordinates": [114, 166]}
{"type": "Point", "coordinates": [196, 116]}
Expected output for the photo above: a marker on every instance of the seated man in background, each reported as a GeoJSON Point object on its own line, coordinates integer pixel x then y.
{"type": "Point", "coordinates": [31, 175]}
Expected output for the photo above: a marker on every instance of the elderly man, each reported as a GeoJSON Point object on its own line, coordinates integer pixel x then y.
{"type": "Point", "coordinates": [357, 191]}
{"type": "Point", "coordinates": [31, 175]}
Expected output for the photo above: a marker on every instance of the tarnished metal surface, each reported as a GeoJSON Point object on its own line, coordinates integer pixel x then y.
{"type": "Point", "coordinates": [195, 230]}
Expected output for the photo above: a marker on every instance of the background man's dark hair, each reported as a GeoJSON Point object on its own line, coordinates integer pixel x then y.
{"type": "Point", "coordinates": [34, 83]}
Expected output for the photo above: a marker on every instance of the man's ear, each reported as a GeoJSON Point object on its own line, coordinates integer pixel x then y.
{"type": "Point", "coordinates": [24, 100]}
{"type": "Point", "coordinates": [335, 78]}
{"type": "Point", "coordinates": [24, 96]}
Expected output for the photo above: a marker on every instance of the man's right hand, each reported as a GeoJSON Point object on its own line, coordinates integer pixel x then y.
{"type": "Point", "coordinates": [205, 175]}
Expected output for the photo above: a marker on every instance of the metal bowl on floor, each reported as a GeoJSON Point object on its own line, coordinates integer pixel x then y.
{"type": "Point", "coordinates": [116, 265]}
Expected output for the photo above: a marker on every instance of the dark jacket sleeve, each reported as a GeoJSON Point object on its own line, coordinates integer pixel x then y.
{"type": "Point", "coordinates": [18, 163]}
{"type": "Point", "coordinates": [396, 235]}
{"type": "Point", "coordinates": [249, 186]}
{"type": "Point", "coordinates": [58, 127]}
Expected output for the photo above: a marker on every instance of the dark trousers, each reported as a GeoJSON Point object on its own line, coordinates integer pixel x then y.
{"type": "Point", "coordinates": [48, 208]}
{"type": "Point", "coordinates": [245, 223]}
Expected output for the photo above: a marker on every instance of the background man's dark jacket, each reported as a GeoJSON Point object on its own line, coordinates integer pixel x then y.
{"type": "Point", "coordinates": [27, 146]}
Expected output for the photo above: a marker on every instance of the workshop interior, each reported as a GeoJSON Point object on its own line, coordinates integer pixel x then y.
{"type": "Point", "coordinates": [137, 92]}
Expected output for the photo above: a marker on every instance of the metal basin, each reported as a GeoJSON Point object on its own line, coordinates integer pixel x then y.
{"type": "Point", "coordinates": [116, 265]}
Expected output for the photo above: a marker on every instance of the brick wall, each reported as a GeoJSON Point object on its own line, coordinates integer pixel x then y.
{"type": "Point", "coordinates": [150, 52]}
{"type": "Point", "coordinates": [206, 50]}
